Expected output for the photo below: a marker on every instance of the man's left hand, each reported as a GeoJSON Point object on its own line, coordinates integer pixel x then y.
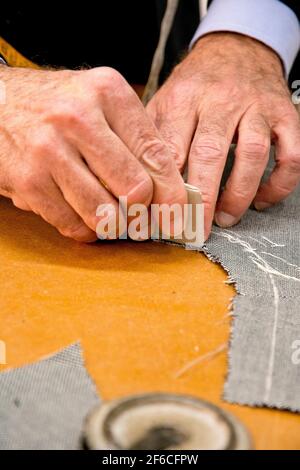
{"type": "Point", "coordinates": [230, 87]}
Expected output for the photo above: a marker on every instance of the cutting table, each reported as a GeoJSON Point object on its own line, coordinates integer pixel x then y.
{"type": "Point", "coordinates": [150, 317]}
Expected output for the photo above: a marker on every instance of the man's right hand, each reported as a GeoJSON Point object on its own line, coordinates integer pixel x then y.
{"type": "Point", "coordinates": [72, 140]}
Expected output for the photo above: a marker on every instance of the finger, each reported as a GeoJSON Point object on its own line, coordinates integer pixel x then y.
{"type": "Point", "coordinates": [128, 119]}
{"type": "Point", "coordinates": [208, 156]}
{"type": "Point", "coordinates": [176, 122]}
{"type": "Point", "coordinates": [113, 164]}
{"type": "Point", "coordinates": [119, 171]}
{"type": "Point", "coordinates": [286, 174]}
{"type": "Point", "coordinates": [252, 154]}
{"type": "Point", "coordinates": [85, 194]}
{"type": "Point", "coordinates": [44, 198]}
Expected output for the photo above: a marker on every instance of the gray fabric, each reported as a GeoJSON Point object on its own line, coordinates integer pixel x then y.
{"type": "Point", "coordinates": [262, 256]}
{"type": "Point", "coordinates": [250, 355]}
{"type": "Point", "coordinates": [43, 405]}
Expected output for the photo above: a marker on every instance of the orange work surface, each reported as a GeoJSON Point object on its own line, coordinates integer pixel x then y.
{"type": "Point", "coordinates": [142, 311]}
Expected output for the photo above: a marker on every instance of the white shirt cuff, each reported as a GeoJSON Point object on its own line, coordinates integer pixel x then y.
{"type": "Point", "coordinates": [268, 21]}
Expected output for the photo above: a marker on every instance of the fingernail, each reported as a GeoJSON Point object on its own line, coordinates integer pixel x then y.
{"type": "Point", "coordinates": [260, 206]}
{"type": "Point", "coordinates": [225, 220]}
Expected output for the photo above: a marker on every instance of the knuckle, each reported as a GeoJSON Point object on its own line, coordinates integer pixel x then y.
{"type": "Point", "coordinates": [143, 191]}
{"type": "Point", "coordinates": [20, 204]}
{"type": "Point", "coordinates": [215, 127]}
{"type": "Point", "coordinates": [207, 151]}
{"type": "Point", "coordinates": [41, 145]}
{"type": "Point", "coordinates": [173, 148]}
{"type": "Point", "coordinates": [253, 150]}
{"type": "Point", "coordinates": [77, 232]}
{"type": "Point", "coordinates": [29, 182]}
{"type": "Point", "coordinates": [177, 157]}
{"type": "Point", "coordinates": [230, 92]}
{"type": "Point", "coordinates": [179, 92]}
{"type": "Point", "coordinates": [220, 111]}
{"type": "Point", "coordinates": [288, 113]}
{"type": "Point", "coordinates": [257, 124]}
{"type": "Point", "coordinates": [156, 155]}
{"type": "Point", "coordinates": [71, 112]}
{"type": "Point", "coordinates": [179, 88]}
{"type": "Point", "coordinates": [89, 220]}
{"type": "Point", "coordinates": [106, 79]}
{"type": "Point", "coordinates": [241, 194]}
{"type": "Point", "coordinates": [293, 163]}
{"type": "Point", "coordinates": [281, 191]}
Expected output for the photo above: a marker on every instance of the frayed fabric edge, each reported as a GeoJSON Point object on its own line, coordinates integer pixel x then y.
{"type": "Point", "coordinates": [233, 310]}
{"type": "Point", "coordinates": [226, 395]}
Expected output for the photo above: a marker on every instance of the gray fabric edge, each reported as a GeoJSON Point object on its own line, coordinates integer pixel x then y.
{"type": "Point", "coordinates": [44, 404]}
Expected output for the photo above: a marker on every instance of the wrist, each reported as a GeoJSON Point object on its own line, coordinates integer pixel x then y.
{"type": "Point", "coordinates": [239, 49]}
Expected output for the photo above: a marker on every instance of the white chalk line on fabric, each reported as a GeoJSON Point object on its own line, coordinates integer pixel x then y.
{"type": "Point", "coordinates": [257, 241]}
{"type": "Point", "coordinates": [262, 264]}
{"type": "Point", "coordinates": [273, 244]}
{"type": "Point", "coordinates": [268, 269]}
{"type": "Point", "coordinates": [269, 376]}
{"type": "Point", "coordinates": [282, 259]}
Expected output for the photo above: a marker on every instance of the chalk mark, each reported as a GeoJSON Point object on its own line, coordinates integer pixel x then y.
{"type": "Point", "coordinates": [273, 244]}
{"type": "Point", "coordinates": [262, 264]}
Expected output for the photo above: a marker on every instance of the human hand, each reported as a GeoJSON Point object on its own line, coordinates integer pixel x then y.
{"type": "Point", "coordinates": [230, 87]}
{"type": "Point", "coordinates": [72, 140]}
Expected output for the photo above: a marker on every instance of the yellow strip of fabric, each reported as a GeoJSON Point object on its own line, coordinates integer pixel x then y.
{"type": "Point", "coordinates": [13, 57]}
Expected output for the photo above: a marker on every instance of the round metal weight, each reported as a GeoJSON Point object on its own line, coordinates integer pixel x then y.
{"type": "Point", "coordinates": [161, 421]}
